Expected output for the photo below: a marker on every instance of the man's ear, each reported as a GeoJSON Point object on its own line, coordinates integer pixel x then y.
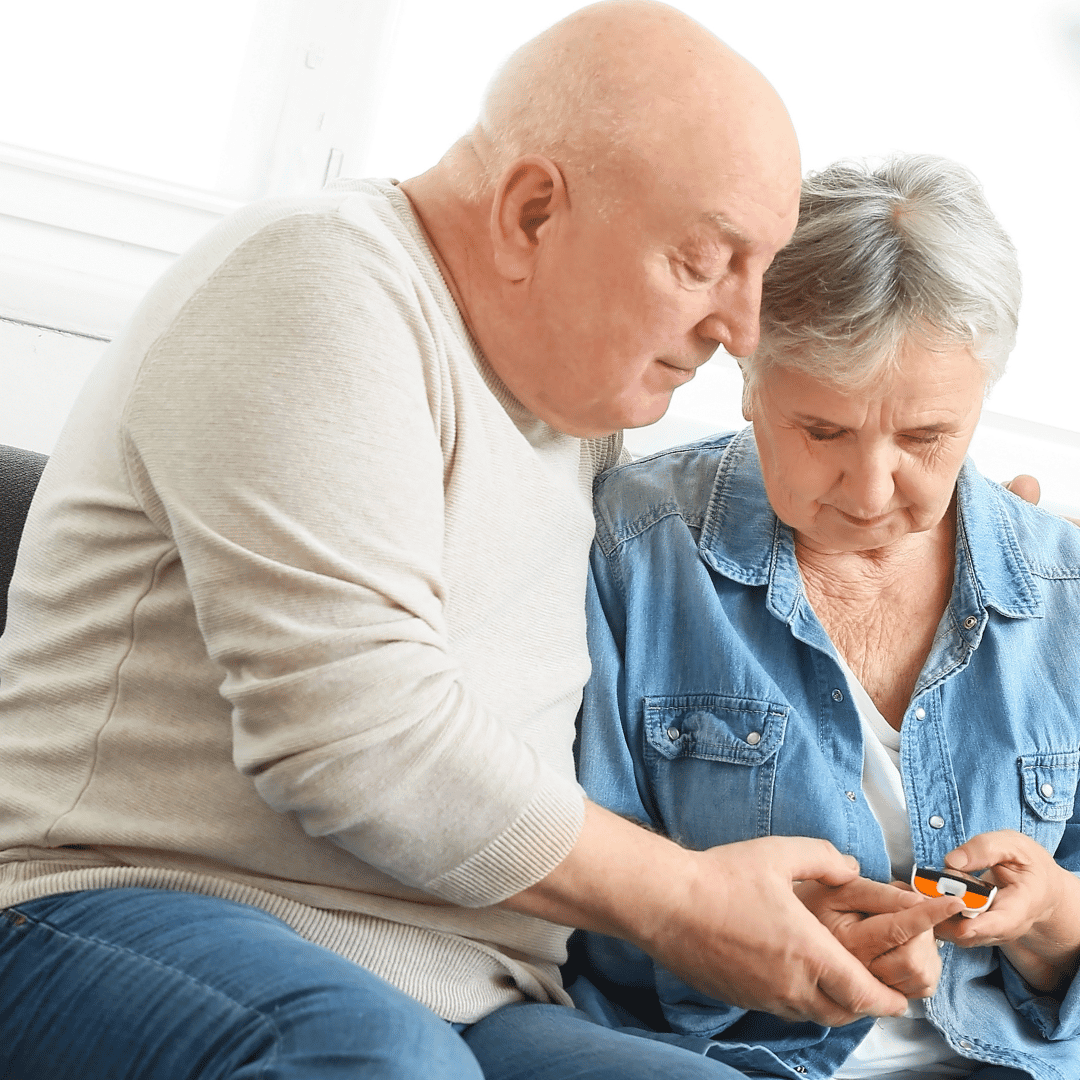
{"type": "Point", "coordinates": [530, 193]}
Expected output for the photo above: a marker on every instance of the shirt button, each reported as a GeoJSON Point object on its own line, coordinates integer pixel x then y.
{"type": "Point", "coordinates": [969, 622]}
{"type": "Point", "coordinates": [800, 1068]}
{"type": "Point", "coordinates": [1047, 791]}
{"type": "Point", "coordinates": [920, 713]}
{"type": "Point", "coordinates": [939, 943]}
{"type": "Point", "coordinates": [837, 695]}
{"type": "Point", "coordinates": [754, 738]}
{"type": "Point", "coordinates": [937, 822]}
{"type": "Point", "coordinates": [851, 795]}
{"type": "Point", "coordinates": [672, 733]}
{"type": "Point", "coordinates": [965, 1045]}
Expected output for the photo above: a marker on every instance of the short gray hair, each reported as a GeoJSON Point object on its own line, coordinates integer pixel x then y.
{"type": "Point", "coordinates": [907, 249]}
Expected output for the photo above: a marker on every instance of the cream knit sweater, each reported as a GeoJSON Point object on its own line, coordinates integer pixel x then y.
{"type": "Point", "coordinates": [298, 615]}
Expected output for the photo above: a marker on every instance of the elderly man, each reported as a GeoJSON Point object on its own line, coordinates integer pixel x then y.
{"type": "Point", "coordinates": [296, 641]}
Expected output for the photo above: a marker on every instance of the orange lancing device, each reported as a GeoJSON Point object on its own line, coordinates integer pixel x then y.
{"type": "Point", "coordinates": [976, 893]}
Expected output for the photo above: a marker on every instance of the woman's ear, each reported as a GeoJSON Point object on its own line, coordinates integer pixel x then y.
{"type": "Point", "coordinates": [530, 196]}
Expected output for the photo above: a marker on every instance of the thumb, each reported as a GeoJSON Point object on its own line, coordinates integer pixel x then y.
{"type": "Point", "coordinates": [986, 849]}
{"type": "Point", "coordinates": [1027, 487]}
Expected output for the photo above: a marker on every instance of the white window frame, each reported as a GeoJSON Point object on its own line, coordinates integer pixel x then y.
{"type": "Point", "coordinates": [80, 244]}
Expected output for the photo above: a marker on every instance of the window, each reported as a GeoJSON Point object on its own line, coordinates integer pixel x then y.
{"type": "Point", "coordinates": [991, 83]}
{"type": "Point", "coordinates": [137, 126]}
{"type": "Point", "coordinates": [274, 96]}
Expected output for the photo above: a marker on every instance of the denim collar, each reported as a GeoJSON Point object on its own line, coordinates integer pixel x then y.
{"type": "Point", "coordinates": [743, 539]}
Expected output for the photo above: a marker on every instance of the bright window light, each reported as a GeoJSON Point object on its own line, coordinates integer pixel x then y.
{"type": "Point", "coordinates": [144, 88]}
{"type": "Point", "coordinates": [991, 83]}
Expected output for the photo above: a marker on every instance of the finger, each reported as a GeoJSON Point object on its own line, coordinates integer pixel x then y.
{"type": "Point", "coordinates": [913, 969]}
{"type": "Point", "coordinates": [1010, 915]}
{"type": "Point", "coordinates": [966, 936]}
{"type": "Point", "coordinates": [821, 1009]}
{"type": "Point", "coordinates": [805, 858]}
{"type": "Point", "coordinates": [855, 992]}
{"type": "Point", "coordinates": [993, 927]}
{"type": "Point", "coordinates": [815, 979]}
{"type": "Point", "coordinates": [882, 933]}
{"type": "Point", "coordinates": [818, 1009]}
{"type": "Point", "coordinates": [1027, 487]}
{"type": "Point", "coordinates": [830, 986]}
{"type": "Point", "coordinates": [872, 897]}
{"type": "Point", "coordinates": [994, 848]}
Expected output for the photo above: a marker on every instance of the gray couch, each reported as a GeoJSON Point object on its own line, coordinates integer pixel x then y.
{"type": "Point", "coordinates": [20, 471]}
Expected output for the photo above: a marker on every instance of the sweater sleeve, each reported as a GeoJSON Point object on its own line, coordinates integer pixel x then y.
{"type": "Point", "coordinates": [285, 433]}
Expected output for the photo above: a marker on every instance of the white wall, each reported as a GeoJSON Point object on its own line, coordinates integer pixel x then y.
{"type": "Point", "coordinates": [383, 87]}
{"type": "Point", "coordinates": [42, 371]}
{"type": "Point", "coordinates": [994, 84]}
{"type": "Point", "coordinates": [1003, 445]}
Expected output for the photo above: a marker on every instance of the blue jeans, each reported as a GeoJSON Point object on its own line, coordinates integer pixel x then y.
{"type": "Point", "coordinates": [147, 984]}
{"type": "Point", "coordinates": [530, 1041]}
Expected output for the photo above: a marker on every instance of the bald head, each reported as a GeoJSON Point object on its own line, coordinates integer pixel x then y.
{"type": "Point", "coordinates": [607, 223]}
{"type": "Point", "coordinates": [628, 83]}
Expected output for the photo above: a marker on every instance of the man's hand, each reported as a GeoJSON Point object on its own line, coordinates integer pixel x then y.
{"type": "Point", "coordinates": [756, 945]}
{"type": "Point", "coordinates": [726, 920]}
{"type": "Point", "coordinates": [1035, 917]}
{"type": "Point", "coordinates": [890, 928]}
{"type": "Point", "coordinates": [1027, 487]}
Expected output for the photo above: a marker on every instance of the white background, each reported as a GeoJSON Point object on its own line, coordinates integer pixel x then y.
{"type": "Point", "coordinates": [202, 105]}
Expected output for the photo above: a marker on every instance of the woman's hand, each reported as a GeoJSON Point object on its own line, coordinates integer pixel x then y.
{"type": "Point", "coordinates": [889, 928]}
{"type": "Point", "coordinates": [1035, 917]}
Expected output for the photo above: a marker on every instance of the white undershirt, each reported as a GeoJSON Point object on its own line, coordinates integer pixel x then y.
{"type": "Point", "coordinates": [907, 1047]}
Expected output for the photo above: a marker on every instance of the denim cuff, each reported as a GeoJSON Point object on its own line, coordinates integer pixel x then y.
{"type": "Point", "coordinates": [1055, 1018]}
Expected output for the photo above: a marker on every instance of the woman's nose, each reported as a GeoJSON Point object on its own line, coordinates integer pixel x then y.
{"type": "Point", "coordinates": [869, 483]}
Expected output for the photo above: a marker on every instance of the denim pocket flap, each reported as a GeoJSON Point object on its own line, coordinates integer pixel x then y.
{"type": "Point", "coordinates": [1049, 784]}
{"type": "Point", "coordinates": [715, 727]}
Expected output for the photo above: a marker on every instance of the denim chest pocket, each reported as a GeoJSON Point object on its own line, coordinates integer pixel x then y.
{"type": "Point", "coordinates": [711, 761]}
{"type": "Point", "coordinates": [1048, 790]}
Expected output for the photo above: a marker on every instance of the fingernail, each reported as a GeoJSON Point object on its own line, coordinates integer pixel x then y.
{"type": "Point", "coordinates": [956, 859]}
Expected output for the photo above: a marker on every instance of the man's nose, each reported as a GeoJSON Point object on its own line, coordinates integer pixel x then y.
{"type": "Point", "coordinates": [734, 320]}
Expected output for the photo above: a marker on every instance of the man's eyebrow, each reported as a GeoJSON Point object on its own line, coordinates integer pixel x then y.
{"type": "Point", "coordinates": [728, 228]}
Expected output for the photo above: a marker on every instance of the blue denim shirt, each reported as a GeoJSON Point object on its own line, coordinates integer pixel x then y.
{"type": "Point", "coordinates": [717, 712]}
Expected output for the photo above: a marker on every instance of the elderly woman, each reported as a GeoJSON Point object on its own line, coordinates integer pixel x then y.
{"type": "Point", "coordinates": [831, 625]}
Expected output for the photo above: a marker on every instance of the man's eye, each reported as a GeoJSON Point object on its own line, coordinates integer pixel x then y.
{"type": "Point", "coordinates": [689, 273]}
{"type": "Point", "coordinates": [695, 275]}
{"type": "Point", "coordinates": [924, 440]}
{"type": "Point", "coordinates": [824, 436]}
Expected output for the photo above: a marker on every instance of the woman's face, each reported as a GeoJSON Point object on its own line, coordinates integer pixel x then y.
{"type": "Point", "coordinates": [856, 472]}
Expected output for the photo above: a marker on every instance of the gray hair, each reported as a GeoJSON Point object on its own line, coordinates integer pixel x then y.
{"type": "Point", "coordinates": [909, 249]}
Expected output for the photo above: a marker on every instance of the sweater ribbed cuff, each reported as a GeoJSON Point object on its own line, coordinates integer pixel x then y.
{"type": "Point", "coordinates": [528, 851]}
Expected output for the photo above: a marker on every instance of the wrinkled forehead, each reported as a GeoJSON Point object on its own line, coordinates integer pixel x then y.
{"type": "Point", "coordinates": [918, 375]}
